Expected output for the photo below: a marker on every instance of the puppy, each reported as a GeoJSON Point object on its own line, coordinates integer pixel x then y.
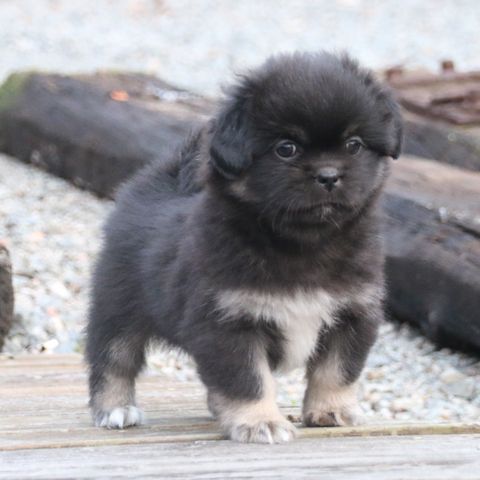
{"type": "Point", "coordinates": [256, 249]}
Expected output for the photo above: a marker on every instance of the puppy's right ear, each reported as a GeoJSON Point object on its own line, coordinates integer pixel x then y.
{"type": "Point", "coordinates": [229, 151]}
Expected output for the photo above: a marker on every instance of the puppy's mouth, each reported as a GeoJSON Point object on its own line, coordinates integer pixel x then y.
{"type": "Point", "coordinates": [322, 208]}
{"type": "Point", "coordinates": [314, 214]}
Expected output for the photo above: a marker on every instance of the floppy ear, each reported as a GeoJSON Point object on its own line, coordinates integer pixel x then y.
{"type": "Point", "coordinates": [229, 151]}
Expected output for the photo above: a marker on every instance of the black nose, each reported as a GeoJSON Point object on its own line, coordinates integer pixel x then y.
{"type": "Point", "coordinates": [328, 178]}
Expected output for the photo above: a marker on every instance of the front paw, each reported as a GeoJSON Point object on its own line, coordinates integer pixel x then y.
{"type": "Point", "coordinates": [332, 417]}
{"type": "Point", "coordinates": [119, 417]}
{"type": "Point", "coordinates": [263, 431]}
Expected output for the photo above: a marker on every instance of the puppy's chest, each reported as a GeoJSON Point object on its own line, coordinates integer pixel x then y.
{"type": "Point", "coordinates": [299, 317]}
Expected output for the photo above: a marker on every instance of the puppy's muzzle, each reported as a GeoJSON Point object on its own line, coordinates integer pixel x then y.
{"type": "Point", "coordinates": [328, 177]}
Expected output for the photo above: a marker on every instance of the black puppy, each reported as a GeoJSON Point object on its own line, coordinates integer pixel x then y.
{"type": "Point", "coordinates": [256, 249]}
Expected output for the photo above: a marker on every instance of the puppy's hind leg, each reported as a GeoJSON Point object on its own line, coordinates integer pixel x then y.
{"type": "Point", "coordinates": [114, 364]}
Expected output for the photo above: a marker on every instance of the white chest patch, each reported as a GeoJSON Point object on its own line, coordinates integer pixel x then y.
{"type": "Point", "coordinates": [300, 317]}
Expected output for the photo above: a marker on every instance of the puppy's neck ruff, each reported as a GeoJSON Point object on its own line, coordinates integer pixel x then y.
{"type": "Point", "coordinates": [299, 316]}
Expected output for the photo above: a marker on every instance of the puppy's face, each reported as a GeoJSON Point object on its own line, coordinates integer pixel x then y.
{"type": "Point", "coordinates": [306, 139]}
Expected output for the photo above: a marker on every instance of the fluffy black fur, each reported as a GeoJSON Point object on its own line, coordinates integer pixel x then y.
{"type": "Point", "coordinates": [228, 212]}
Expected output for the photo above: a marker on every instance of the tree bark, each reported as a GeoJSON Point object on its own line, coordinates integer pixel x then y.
{"type": "Point", "coordinates": [432, 216]}
{"type": "Point", "coordinates": [94, 130]}
{"type": "Point", "coordinates": [436, 140]}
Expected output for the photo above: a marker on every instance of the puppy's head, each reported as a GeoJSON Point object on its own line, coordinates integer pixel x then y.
{"type": "Point", "coordinates": [306, 138]}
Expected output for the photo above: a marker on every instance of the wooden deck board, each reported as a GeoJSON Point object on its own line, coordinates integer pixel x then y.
{"type": "Point", "coordinates": [46, 432]}
{"type": "Point", "coordinates": [372, 458]}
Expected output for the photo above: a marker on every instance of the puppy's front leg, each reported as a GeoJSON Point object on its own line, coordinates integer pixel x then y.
{"type": "Point", "coordinates": [331, 395]}
{"type": "Point", "coordinates": [255, 420]}
{"type": "Point", "coordinates": [241, 390]}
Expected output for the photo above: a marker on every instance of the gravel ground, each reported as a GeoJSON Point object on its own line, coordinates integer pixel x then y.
{"type": "Point", "coordinates": [53, 232]}
{"type": "Point", "coordinates": [197, 44]}
{"type": "Point", "coordinates": [53, 229]}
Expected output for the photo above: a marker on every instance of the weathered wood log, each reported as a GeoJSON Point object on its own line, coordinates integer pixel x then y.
{"type": "Point", "coordinates": [436, 140]}
{"type": "Point", "coordinates": [94, 130]}
{"type": "Point", "coordinates": [6, 294]}
{"type": "Point", "coordinates": [433, 250]}
{"type": "Point", "coordinates": [441, 112]}
{"type": "Point", "coordinates": [97, 130]}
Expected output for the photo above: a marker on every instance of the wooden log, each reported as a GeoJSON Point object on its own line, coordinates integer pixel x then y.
{"type": "Point", "coordinates": [94, 130]}
{"type": "Point", "coordinates": [437, 140]}
{"type": "Point", "coordinates": [97, 130]}
{"type": "Point", "coordinates": [433, 250]}
{"type": "Point", "coordinates": [6, 294]}
{"type": "Point", "coordinates": [442, 118]}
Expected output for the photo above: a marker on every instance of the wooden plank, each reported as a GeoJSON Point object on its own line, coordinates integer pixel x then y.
{"type": "Point", "coordinates": [44, 405]}
{"type": "Point", "coordinates": [387, 458]}
{"type": "Point", "coordinates": [46, 432]}
{"type": "Point", "coordinates": [190, 429]}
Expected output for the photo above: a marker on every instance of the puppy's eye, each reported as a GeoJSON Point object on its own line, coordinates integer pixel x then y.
{"type": "Point", "coordinates": [353, 145]}
{"type": "Point", "coordinates": [286, 149]}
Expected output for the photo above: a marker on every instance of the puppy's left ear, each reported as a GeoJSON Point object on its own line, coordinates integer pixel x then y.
{"type": "Point", "coordinates": [229, 149]}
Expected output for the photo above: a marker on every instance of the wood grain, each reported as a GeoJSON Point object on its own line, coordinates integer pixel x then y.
{"type": "Point", "coordinates": [386, 458]}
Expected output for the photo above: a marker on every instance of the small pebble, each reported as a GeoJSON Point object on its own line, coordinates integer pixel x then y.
{"type": "Point", "coordinates": [452, 375]}
{"type": "Point", "coordinates": [465, 388]}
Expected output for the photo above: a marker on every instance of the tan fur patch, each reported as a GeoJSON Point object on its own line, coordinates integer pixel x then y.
{"type": "Point", "coordinates": [327, 400]}
{"type": "Point", "coordinates": [239, 188]}
{"type": "Point", "coordinates": [229, 410]}
{"type": "Point", "coordinates": [300, 315]}
{"type": "Point", "coordinates": [116, 392]}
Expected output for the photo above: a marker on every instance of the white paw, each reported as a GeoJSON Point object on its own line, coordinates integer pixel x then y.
{"type": "Point", "coordinates": [120, 417]}
{"type": "Point", "coordinates": [267, 431]}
